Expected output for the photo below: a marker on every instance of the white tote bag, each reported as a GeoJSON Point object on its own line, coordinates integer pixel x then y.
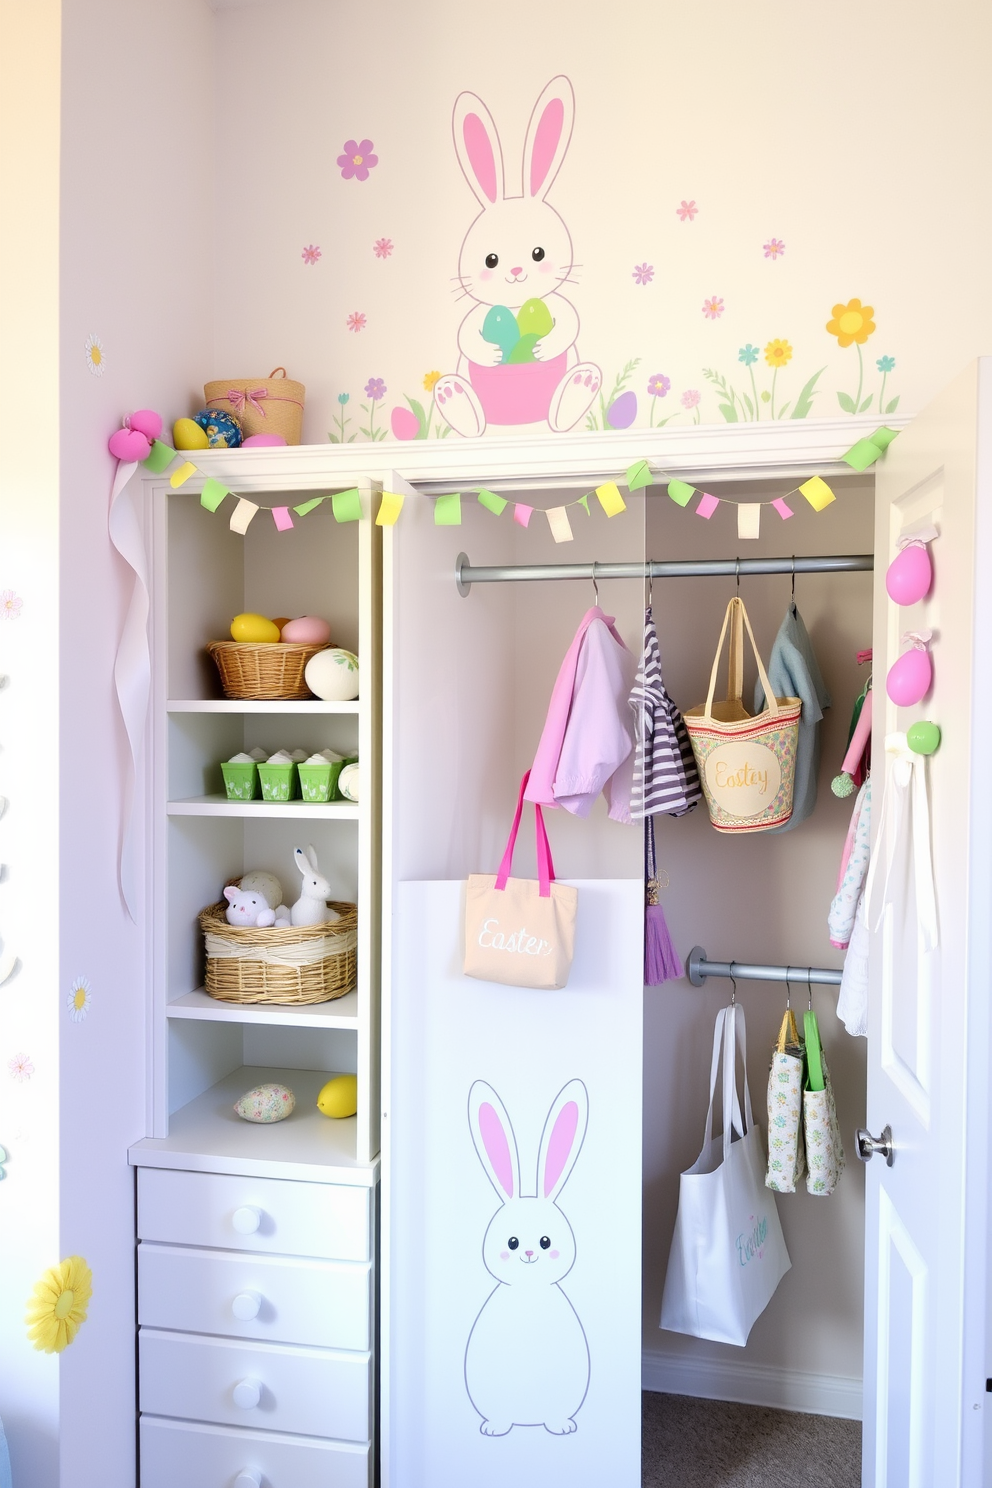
{"type": "Point", "coordinates": [728, 1254]}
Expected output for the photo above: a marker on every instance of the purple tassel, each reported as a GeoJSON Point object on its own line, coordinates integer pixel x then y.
{"type": "Point", "coordinates": [661, 960]}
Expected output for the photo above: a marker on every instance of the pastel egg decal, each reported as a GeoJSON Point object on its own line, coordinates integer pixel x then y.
{"type": "Point", "coordinates": [308, 630]}
{"type": "Point", "coordinates": [909, 575]}
{"type": "Point", "coordinates": [923, 737]}
{"type": "Point", "coordinates": [406, 424]}
{"type": "Point", "coordinates": [622, 411]}
{"type": "Point", "coordinates": [909, 678]}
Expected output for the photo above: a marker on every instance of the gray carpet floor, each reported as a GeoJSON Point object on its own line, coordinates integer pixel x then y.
{"type": "Point", "coordinates": [690, 1443]}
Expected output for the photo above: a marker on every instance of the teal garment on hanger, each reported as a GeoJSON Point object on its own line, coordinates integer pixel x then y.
{"type": "Point", "coordinates": [793, 671]}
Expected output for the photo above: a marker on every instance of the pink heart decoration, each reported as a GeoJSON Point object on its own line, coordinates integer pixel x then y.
{"type": "Point", "coordinates": [128, 444]}
{"type": "Point", "coordinates": [146, 421]}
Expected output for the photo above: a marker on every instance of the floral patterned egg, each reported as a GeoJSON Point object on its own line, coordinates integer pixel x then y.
{"type": "Point", "coordinates": [266, 1103]}
{"type": "Point", "coordinates": [222, 429]}
{"type": "Point", "coordinates": [909, 575]}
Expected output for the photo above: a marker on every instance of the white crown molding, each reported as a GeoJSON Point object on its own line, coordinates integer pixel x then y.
{"type": "Point", "coordinates": [752, 1384]}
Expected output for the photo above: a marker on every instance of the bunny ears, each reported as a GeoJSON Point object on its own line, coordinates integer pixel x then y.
{"type": "Point", "coordinates": [561, 1140]}
{"type": "Point", "coordinates": [480, 154]}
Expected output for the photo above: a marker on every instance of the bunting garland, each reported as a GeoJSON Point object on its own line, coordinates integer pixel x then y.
{"type": "Point", "coordinates": [347, 505]}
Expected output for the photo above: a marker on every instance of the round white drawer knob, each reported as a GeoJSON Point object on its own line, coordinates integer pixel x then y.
{"type": "Point", "coordinates": [247, 1394]}
{"type": "Point", "coordinates": [246, 1306]}
{"type": "Point", "coordinates": [247, 1220]}
{"type": "Point", "coordinates": [248, 1479]}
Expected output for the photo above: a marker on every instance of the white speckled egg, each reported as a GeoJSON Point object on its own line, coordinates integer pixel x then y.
{"type": "Point", "coordinates": [266, 1103]}
{"type": "Point", "coordinates": [333, 675]}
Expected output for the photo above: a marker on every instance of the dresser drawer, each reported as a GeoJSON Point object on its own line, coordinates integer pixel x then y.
{"type": "Point", "coordinates": [280, 1387]}
{"type": "Point", "coordinates": [285, 1299]}
{"type": "Point", "coordinates": [183, 1454]}
{"type": "Point", "coordinates": [255, 1214]}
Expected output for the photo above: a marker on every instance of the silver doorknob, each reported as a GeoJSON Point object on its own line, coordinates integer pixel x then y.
{"type": "Point", "coordinates": [867, 1145]}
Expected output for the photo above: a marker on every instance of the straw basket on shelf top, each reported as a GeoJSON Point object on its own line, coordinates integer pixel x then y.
{"type": "Point", "coordinates": [293, 966]}
{"type": "Point", "coordinates": [263, 670]}
{"type": "Point", "coordinates": [262, 405]}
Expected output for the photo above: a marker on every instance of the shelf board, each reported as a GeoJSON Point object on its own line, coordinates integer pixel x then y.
{"type": "Point", "coordinates": [239, 705]}
{"type": "Point", "coordinates": [341, 1013]}
{"type": "Point", "coordinates": [206, 1136]}
{"type": "Point", "coordinates": [221, 806]}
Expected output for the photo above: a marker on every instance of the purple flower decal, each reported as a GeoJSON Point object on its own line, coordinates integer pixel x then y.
{"type": "Point", "coordinates": [643, 273]}
{"type": "Point", "coordinates": [375, 388]}
{"type": "Point", "coordinates": [357, 159]}
{"type": "Point", "coordinates": [659, 385]}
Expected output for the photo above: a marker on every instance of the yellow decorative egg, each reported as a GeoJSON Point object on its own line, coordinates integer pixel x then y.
{"type": "Point", "coordinates": [188, 436]}
{"type": "Point", "coordinates": [254, 628]}
{"type": "Point", "coordinates": [339, 1096]}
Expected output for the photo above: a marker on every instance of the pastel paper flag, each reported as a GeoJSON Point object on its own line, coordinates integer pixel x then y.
{"type": "Point", "coordinates": [561, 528]}
{"type": "Point", "coordinates": [861, 455]}
{"type": "Point", "coordinates": [522, 514]}
{"type": "Point", "coordinates": [496, 504]}
{"type": "Point", "coordinates": [347, 505]}
{"type": "Point", "coordinates": [242, 515]}
{"type": "Point", "coordinates": [707, 505]}
{"type": "Point", "coordinates": [282, 519]}
{"type": "Point", "coordinates": [749, 519]}
{"type": "Point", "coordinates": [583, 501]}
{"type": "Point", "coordinates": [309, 506]}
{"type": "Point", "coordinates": [213, 494]}
{"type": "Point", "coordinates": [680, 493]}
{"type": "Point", "coordinates": [818, 493]}
{"type": "Point", "coordinates": [160, 457]}
{"type": "Point", "coordinates": [783, 508]}
{"type": "Point", "coordinates": [389, 508]}
{"type": "Point", "coordinates": [638, 476]}
{"type": "Point", "coordinates": [448, 510]}
{"type": "Point", "coordinates": [181, 476]}
{"type": "Point", "coordinates": [883, 437]}
{"type": "Point", "coordinates": [609, 499]}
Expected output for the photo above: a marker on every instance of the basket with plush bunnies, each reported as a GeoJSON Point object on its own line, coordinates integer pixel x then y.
{"type": "Point", "coordinates": [258, 949]}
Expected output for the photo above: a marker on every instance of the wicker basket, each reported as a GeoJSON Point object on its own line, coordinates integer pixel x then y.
{"type": "Point", "coordinates": [294, 966]}
{"type": "Point", "coordinates": [262, 405]}
{"type": "Point", "coordinates": [272, 670]}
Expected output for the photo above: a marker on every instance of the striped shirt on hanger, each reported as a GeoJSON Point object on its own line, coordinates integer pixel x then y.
{"type": "Point", "coordinates": [665, 776]}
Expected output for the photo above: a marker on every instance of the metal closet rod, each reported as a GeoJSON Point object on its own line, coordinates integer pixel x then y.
{"type": "Point", "coordinates": [698, 968]}
{"type": "Point", "coordinates": [467, 574]}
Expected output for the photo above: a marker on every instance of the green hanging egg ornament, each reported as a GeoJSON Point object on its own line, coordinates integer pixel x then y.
{"type": "Point", "coordinates": [923, 737]}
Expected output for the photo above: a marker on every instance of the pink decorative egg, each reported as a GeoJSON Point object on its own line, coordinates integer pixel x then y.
{"type": "Point", "coordinates": [147, 422]}
{"type": "Point", "coordinates": [309, 630]}
{"type": "Point", "coordinates": [909, 575]}
{"type": "Point", "coordinates": [909, 678]}
{"type": "Point", "coordinates": [128, 444]}
{"type": "Point", "coordinates": [262, 441]}
{"type": "Point", "coordinates": [405, 423]}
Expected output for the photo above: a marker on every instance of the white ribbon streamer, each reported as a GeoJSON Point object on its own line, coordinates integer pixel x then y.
{"type": "Point", "coordinates": [132, 668]}
{"type": "Point", "coordinates": [905, 799]}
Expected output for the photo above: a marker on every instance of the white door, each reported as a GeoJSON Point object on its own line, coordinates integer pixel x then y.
{"type": "Point", "coordinates": [928, 1052]}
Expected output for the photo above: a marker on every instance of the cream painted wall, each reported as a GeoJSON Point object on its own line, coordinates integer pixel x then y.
{"type": "Point", "coordinates": [849, 135]}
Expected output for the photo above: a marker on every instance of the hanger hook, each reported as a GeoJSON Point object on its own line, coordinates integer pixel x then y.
{"type": "Point", "coordinates": [650, 583]}
{"type": "Point", "coordinates": [733, 985]}
{"type": "Point", "coordinates": [788, 992]}
{"type": "Point", "coordinates": [737, 569]}
{"type": "Point", "coordinates": [809, 986]}
{"type": "Point", "coordinates": [595, 585]}
{"type": "Point", "coordinates": [793, 575]}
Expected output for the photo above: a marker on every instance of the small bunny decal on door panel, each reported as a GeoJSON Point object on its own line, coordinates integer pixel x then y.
{"type": "Point", "coordinates": [519, 362]}
{"type": "Point", "coordinates": [527, 1359]}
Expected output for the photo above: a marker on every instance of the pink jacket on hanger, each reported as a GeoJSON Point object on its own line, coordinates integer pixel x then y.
{"type": "Point", "coordinates": [588, 744]}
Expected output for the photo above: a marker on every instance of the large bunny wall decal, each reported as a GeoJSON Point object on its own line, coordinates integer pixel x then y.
{"type": "Point", "coordinates": [518, 359]}
{"type": "Point", "coordinates": [527, 1358]}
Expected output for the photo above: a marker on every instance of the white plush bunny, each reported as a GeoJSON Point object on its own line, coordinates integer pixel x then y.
{"type": "Point", "coordinates": [516, 255]}
{"type": "Point", "coordinates": [527, 1359]}
{"type": "Point", "coordinates": [248, 910]}
{"type": "Point", "coordinates": [312, 908]}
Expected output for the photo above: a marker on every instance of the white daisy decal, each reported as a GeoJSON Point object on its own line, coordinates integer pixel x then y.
{"type": "Point", "coordinates": [95, 355]}
{"type": "Point", "coordinates": [78, 1000]}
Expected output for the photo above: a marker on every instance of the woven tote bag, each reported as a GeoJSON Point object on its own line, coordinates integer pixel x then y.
{"type": "Point", "coordinates": [519, 931]}
{"type": "Point", "coordinates": [747, 764]}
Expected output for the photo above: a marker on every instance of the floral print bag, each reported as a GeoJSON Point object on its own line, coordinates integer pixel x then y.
{"type": "Point", "coordinates": [824, 1148]}
{"type": "Point", "coordinates": [786, 1081]}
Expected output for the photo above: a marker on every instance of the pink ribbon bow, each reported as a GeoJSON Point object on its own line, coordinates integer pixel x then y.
{"type": "Point", "coordinates": [238, 399]}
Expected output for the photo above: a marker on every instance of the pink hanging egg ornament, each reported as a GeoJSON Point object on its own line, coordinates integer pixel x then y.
{"type": "Point", "coordinates": [910, 573]}
{"type": "Point", "coordinates": [146, 421]}
{"type": "Point", "coordinates": [911, 675]}
{"type": "Point", "coordinates": [128, 444]}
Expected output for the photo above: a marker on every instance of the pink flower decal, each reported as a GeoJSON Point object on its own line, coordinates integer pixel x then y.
{"type": "Point", "coordinates": [10, 605]}
{"type": "Point", "coordinates": [690, 398]}
{"type": "Point", "coordinates": [687, 210]}
{"type": "Point", "coordinates": [310, 254]}
{"type": "Point", "coordinates": [713, 307]}
{"type": "Point", "coordinates": [357, 159]}
{"type": "Point", "coordinates": [20, 1067]}
{"type": "Point", "coordinates": [357, 321]}
{"type": "Point", "coordinates": [643, 273]}
{"type": "Point", "coordinates": [382, 247]}
{"type": "Point", "coordinates": [774, 248]}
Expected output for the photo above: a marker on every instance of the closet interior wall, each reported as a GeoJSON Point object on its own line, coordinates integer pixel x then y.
{"type": "Point", "coordinates": [759, 898]}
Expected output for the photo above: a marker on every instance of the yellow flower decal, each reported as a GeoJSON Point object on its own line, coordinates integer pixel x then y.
{"type": "Point", "coordinates": [851, 323]}
{"type": "Point", "coordinates": [58, 1305]}
{"type": "Point", "coordinates": [430, 378]}
{"type": "Point", "coordinates": [778, 353]}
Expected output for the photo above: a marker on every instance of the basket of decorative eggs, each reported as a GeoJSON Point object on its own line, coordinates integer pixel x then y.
{"type": "Point", "coordinates": [277, 660]}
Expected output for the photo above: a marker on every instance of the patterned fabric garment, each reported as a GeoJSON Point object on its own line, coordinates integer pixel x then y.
{"type": "Point", "coordinates": [824, 1147]}
{"type": "Point", "coordinates": [786, 1159]}
{"type": "Point", "coordinates": [666, 779]}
